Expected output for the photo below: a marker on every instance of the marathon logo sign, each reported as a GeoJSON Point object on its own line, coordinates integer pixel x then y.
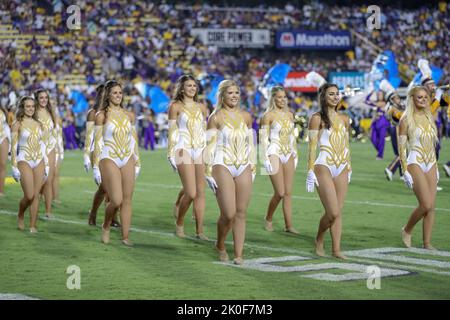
{"type": "Point", "coordinates": [231, 38]}
{"type": "Point", "coordinates": [313, 40]}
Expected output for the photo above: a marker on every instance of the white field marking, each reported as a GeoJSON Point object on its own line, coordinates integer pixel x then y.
{"type": "Point", "coordinates": [166, 234]}
{"type": "Point", "coordinates": [385, 254]}
{"type": "Point", "coordinates": [249, 245]}
{"type": "Point", "coordinates": [265, 265]}
{"type": "Point", "coordinates": [15, 296]}
{"type": "Point", "coordinates": [369, 203]}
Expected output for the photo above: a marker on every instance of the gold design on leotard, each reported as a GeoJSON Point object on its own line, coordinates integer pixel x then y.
{"type": "Point", "coordinates": [121, 135]}
{"type": "Point", "coordinates": [236, 147]}
{"type": "Point", "coordinates": [32, 148]}
{"type": "Point", "coordinates": [48, 135]}
{"type": "Point", "coordinates": [425, 149]}
{"type": "Point", "coordinates": [195, 135]}
{"type": "Point", "coordinates": [285, 133]}
{"type": "Point", "coordinates": [337, 154]}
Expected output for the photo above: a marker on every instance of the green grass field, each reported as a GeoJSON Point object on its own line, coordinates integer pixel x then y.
{"type": "Point", "coordinates": [161, 266]}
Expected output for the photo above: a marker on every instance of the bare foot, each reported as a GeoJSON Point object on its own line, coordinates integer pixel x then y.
{"type": "Point", "coordinates": [92, 219]}
{"type": "Point", "coordinates": [268, 226]}
{"type": "Point", "coordinates": [223, 255]}
{"type": "Point", "coordinates": [339, 255]}
{"type": "Point", "coordinates": [20, 223]}
{"type": "Point", "coordinates": [319, 249]}
{"type": "Point", "coordinates": [238, 260]}
{"type": "Point", "coordinates": [127, 242]}
{"type": "Point", "coordinates": [33, 230]}
{"type": "Point", "coordinates": [179, 231]}
{"type": "Point", "coordinates": [429, 247]}
{"type": "Point", "coordinates": [105, 235]}
{"type": "Point", "coordinates": [291, 230]}
{"type": "Point", "coordinates": [406, 238]}
{"type": "Point", "coordinates": [201, 236]}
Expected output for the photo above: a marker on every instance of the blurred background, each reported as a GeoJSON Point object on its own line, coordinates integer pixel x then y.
{"type": "Point", "coordinates": [147, 45]}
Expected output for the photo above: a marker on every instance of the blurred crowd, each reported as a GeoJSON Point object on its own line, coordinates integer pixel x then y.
{"type": "Point", "coordinates": [151, 42]}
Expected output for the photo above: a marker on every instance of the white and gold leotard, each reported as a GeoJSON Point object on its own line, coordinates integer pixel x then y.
{"type": "Point", "coordinates": [191, 133]}
{"type": "Point", "coordinates": [282, 139]}
{"type": "Point", "coordinates": [118, 138]}
{"type": "Point", "coordinates": [5, 132]}
{"type": "Point", "coordinates": [234, 144]}
{"type": "Point", "coordinates": [89, 139]}
{"type": "Point", "coordinates": [50, 138]}
{"type": "Point", "coordinates": [422, 146]}
{"type": "Point", "coordinates": [30, 144]}
{"type": "Point", "coordinates": [334, 152]}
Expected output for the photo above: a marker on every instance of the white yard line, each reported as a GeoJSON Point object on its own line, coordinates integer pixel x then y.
{"type": "Point", "coordinates": [256, 246]}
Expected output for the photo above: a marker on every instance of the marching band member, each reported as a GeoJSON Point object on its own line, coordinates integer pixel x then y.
{"type": "Point", "coordinates": [394, 110]}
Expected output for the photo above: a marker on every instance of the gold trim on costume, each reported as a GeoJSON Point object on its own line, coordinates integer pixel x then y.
{"type": "Point", "coordinates": [338, 146]}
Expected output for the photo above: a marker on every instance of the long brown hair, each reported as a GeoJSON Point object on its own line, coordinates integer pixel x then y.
{"type": "Point", "coordinates": [179, 94]}
{"type": "Point", "coordinates": [100, 92]}
{"type": "Point", "coordinates": [20, 113]}
{"type": "Point", "coordinates": [107, 91]}
{"type": "Point", "coordinates": [48, 106]}
{"type": "Point", "coordinates": [323, 103]}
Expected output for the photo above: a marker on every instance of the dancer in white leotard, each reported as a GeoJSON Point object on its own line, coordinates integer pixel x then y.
{"type": "Point", "coordinates": [418, 130]}
{"type": "Point", "coordinates": [187, 140]}
{"type": "Point", "coordinates": [28, 159]}
{"type": "Point", "coordinates": [116, 163]}
{"type": "Point", "coordinates": [331, 171]}
{"type": "Point", "coordinates": [230, 166]}
{"type": "Point", "coordinates": [279, 150]}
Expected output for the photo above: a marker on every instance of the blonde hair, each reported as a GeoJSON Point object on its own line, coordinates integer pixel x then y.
{"type": "Point", "coordinates": [223, 86]}
{"type": "Point", "coordinates": [271, 104]}
{"type": "Point", "coordinates": [411, 110]}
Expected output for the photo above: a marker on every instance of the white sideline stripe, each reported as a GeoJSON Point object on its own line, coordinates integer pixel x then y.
{"type": "Point", "coordinates": [368, 203]}
{"type": "Point", "coordinates": [166, 234]}
{"type": "Point", "coordinates": [15, 296]}
{"type": "Point", "coordinates": [250, 245]}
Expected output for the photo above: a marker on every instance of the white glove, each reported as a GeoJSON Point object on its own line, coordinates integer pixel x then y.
{"type": "Point", "coordinates": [97, 176]}
{"type": "Point", "coordinates": [16, 174]}
{"type": "Point", "coordinates": [349, 176]}
{"type": "Point", "coordinates": [173, 163]}
{"type": "Point", "coordinates": [253, 177]}
{"type": "Point", "coordinates": [295, 161]}
{"type": "Point", "coordinates": [212, 183]}
{"type": "Point", "coordinates": [408, 180]}
{"type": "Point", "coordinates": [437, 175]}
{"type": "Point", "coordinates": [311, 180]}
{"type": "Point", "coordinates": [87, 162]}
{"type": "Point", "coordinates": [268, 166]}
{"type": "Point", "coordinates": [137, 170]}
